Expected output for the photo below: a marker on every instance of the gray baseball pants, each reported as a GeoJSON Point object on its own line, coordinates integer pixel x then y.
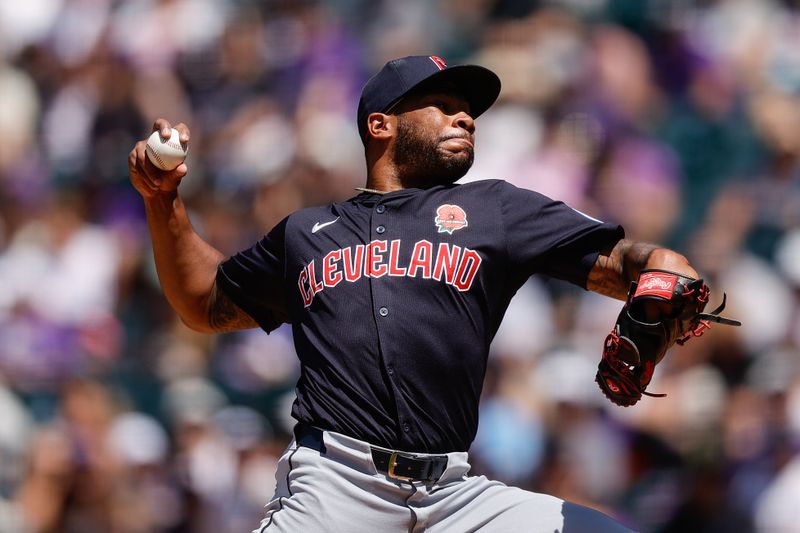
{"type": "Point", "coordinates": [339, 490]}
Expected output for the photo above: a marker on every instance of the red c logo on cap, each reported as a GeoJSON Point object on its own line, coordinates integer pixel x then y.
{"type": "Point", "coordinates": [439, 62]}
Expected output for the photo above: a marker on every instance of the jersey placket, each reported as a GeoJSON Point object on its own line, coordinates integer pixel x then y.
{"type": "Point", "coordinates": [383, 308]}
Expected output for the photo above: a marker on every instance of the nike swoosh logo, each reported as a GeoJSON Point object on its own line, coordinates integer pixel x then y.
{"type": "Point", "coordinates": [319, 226]}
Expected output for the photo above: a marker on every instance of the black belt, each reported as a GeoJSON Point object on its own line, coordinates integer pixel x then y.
{"type": "Point", "coordinates": [397, 465]}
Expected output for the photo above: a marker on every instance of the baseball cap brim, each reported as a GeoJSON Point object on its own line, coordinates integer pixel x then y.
{"type": "Point", "coordinates": [478, 85]}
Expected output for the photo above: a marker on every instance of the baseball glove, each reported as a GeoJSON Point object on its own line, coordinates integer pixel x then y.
{"type": "Point", "coordinates": [662, 308]}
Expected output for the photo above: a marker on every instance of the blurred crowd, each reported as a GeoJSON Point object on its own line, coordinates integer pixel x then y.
{"type": "Point", "coordinates": [676, 118]}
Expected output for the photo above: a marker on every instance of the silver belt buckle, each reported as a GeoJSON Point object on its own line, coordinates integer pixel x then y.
{"type": "Point", "coordinates": [392, 464]}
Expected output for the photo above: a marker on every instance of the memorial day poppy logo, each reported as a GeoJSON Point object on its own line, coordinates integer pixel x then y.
{"type": "Point", "coordinates": [450, 218]}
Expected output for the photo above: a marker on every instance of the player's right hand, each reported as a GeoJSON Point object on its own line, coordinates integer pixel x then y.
{"type": "Point", "coordinates": [147, 178]}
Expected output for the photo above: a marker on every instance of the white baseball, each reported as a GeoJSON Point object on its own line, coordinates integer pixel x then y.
{"type": "Point", "coordinates": [166, 154]}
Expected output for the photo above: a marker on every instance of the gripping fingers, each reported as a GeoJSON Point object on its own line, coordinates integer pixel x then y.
{"type": "Point", "coordinates": [183, 129]}
{"type": "Point", "coordinates": [145, 177]}
{"type": "Point", "coordinates": [148, 173]}
{"type": "Point", "coordinates": [163, 126]}
{"type": "Point", "coordinates": [139, 177]}
{"type": "Point", "coordinates": [148, 179]}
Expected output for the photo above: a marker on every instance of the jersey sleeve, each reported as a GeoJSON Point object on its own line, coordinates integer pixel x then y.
{"type": "Point", "coordinates": [254, 279]}
{"type": "Point", "coordinates": [549, 237]}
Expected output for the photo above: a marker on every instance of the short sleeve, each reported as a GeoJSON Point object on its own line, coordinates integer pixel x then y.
{"type": "Point", "coordinates": [254, 279]}
{"type": "Point", "coordinates": [549, 237]}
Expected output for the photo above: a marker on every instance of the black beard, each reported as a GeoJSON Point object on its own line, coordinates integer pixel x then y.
{"type": "Point", "coordinates": [420, 161]}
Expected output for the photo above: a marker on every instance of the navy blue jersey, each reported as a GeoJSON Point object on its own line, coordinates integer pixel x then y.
{"type": "Point", "coordinates": [394, 299]}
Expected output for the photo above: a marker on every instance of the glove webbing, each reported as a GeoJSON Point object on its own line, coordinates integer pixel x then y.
{"type": "Point", "coordinates": [704, 320]}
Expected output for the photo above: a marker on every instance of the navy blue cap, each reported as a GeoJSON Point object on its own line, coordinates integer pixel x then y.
{"type": "Point", "coordinates": [478, 85]}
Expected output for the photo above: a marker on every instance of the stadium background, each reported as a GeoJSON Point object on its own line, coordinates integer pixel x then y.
{"type": "Point", "coordinates": [677, 118]}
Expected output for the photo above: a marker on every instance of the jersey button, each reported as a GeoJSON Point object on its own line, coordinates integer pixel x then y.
{"type": "Point", "coordinates": [380, 209]}
{"type": "Point", "coordinates": [383, 311]}
{"type": "Point", "coordinates": [390, 370]}
{"type": "Point", "coordinates": [406, 428]}
{"type": "Point", "coordinates": [380, 229]}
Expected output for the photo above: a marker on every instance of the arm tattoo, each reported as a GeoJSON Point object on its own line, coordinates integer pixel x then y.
{"type": "Point", "coordinates": [612, 274]}
{"type": "Point", "coordinates": [224, 315]}
{"type": "Point", "coordinates": [606, 278]}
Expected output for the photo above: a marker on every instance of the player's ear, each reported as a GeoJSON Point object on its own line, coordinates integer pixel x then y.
{"type": "Point", "coordinates": [381, 126]}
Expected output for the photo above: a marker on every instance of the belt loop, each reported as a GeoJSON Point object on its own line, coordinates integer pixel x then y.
{"type": "Point", "coordinates": [309, 436]}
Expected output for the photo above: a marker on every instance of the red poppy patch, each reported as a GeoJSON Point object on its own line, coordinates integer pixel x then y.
{"type": "Point", "coordinates": [450, 218]}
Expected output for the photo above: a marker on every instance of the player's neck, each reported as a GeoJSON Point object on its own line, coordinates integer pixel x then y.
{"type": "Point", "coordinates": [384, 186]}
{"type": "Point", "coordinates": [383, 176]}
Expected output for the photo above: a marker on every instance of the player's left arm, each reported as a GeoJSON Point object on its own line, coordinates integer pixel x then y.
{"type": "Point", "coordinates": [614, 271]}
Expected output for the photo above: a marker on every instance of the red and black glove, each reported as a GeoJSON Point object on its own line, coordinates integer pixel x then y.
{"type": "Point", "coordinates": [662, 308]}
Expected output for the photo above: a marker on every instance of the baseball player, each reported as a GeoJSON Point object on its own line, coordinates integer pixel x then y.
{"type": "Point", "coordinates": [394, 297]}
